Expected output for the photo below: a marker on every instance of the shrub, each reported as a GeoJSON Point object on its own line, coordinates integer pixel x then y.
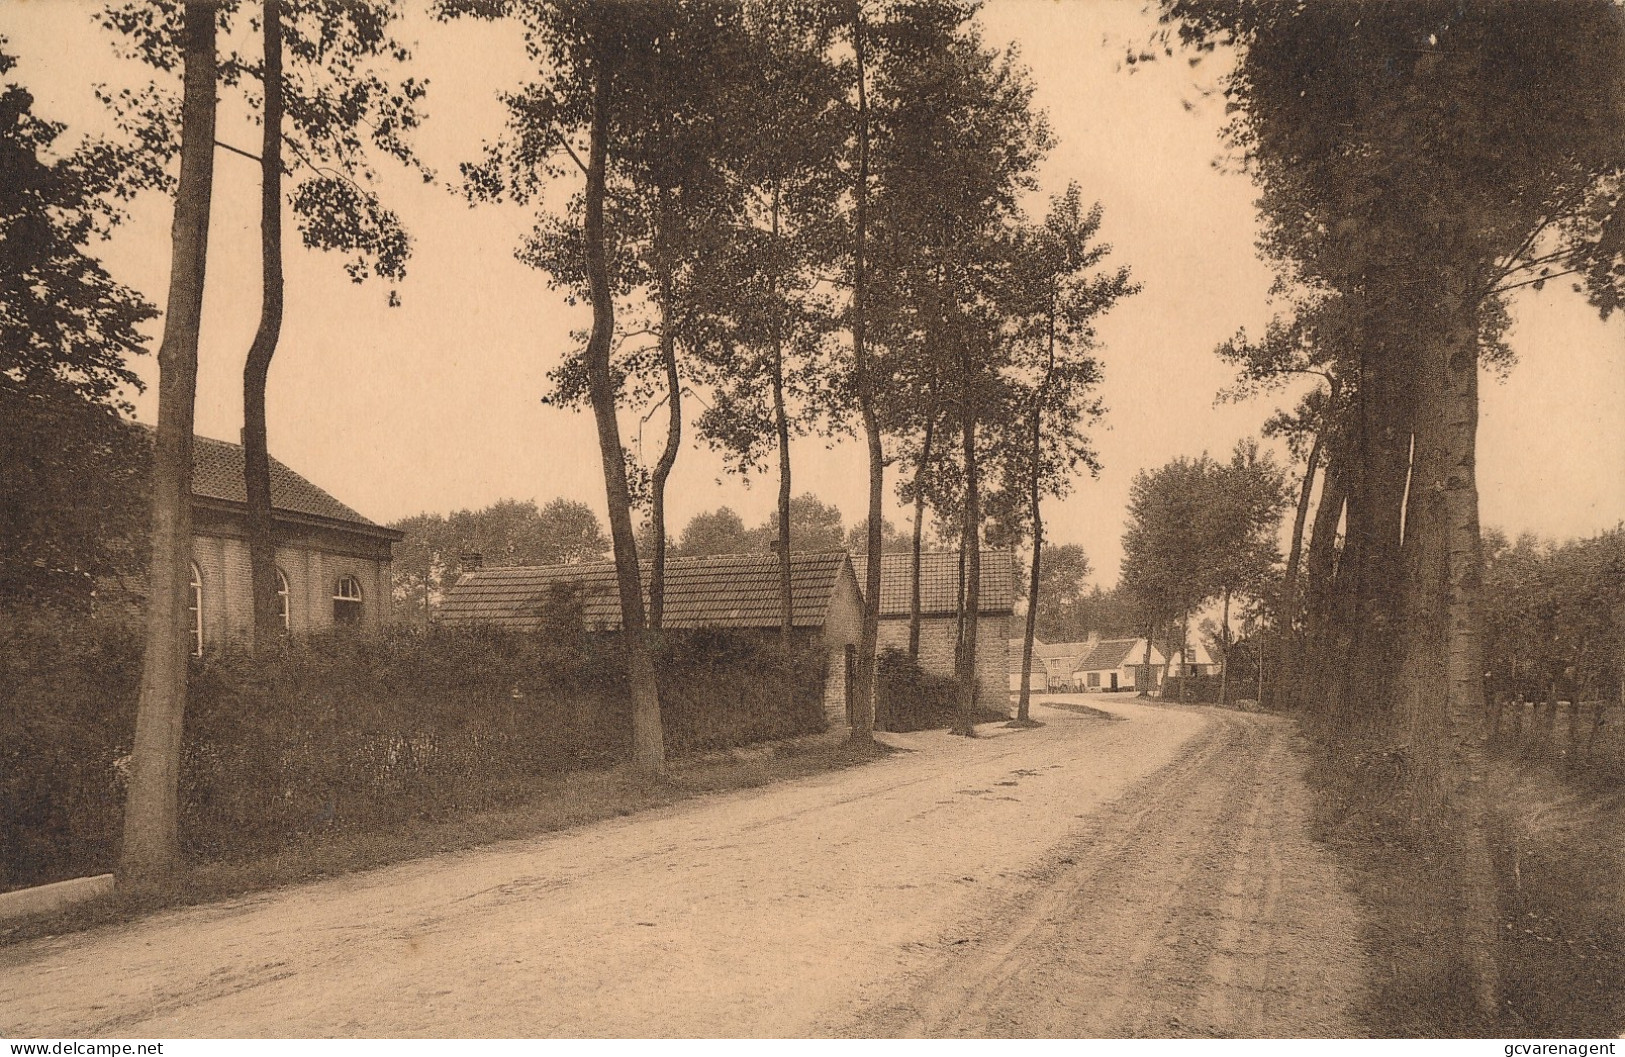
{"type": "Point", "coordinates": [343, 730]}
{"type": "Point", "coordinates": [1198, 689]}
{"type": "Point", "coordinates": [911, 698]}
{"type": "Point", "coordinates": [720, 689]}
{"type": "Point", "coordinates": [67, 715]}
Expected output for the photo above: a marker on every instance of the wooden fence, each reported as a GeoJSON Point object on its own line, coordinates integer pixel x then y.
{"type": "Point", "coordinates": [1556, 727]}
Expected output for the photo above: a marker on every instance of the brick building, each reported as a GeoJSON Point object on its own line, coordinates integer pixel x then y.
{"type": "Point", "coordinates": [333, 565]}
{"type": "Point", "coordinates": [939, 609]}
{"type": "Point", "coordinates": [739, 591]}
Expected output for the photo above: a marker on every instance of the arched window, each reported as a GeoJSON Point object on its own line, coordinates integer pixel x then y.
{"type": "Point", "coordinates": [347, 602]}
{"type": "Point", "coordinates": [196, 611]}
{"type": "Point", "coordinates": [282, 599]}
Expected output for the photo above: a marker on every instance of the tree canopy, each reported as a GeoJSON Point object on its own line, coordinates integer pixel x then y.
{"type": "Point", "coordinates": [72, 506]}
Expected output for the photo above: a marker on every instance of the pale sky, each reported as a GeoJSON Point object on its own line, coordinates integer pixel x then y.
{"type": "Point", "coordinates": [434, 406]}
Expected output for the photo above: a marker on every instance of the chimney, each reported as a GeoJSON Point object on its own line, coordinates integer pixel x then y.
{"type": "Point", "coordinates": [471, 561]}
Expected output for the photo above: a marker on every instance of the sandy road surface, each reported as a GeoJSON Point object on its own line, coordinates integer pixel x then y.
{"type": "Point", "coordinates": [1087, 877]}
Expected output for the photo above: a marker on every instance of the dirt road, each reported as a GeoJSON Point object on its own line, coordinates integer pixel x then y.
{"type": "Point", "coordinates": [1143, 876]}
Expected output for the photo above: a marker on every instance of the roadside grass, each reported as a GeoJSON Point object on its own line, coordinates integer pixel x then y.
{"type": "Point", "coordinates": [1556, 846]}
{"type": "Point", "coordinates": [1560, 829]}
{"type": "Point", "coordinates": [1404, 875]}
{"type": "Point", "coordinates": [525, 809]}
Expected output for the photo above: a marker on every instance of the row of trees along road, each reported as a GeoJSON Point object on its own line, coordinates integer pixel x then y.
{"type": "Point", "coordinates": [1418, 163]}
{"type": "Point", "coordinates": [852, 256]}
{"type": "Point", "coordinates": [856, 251]}
{"type": "Point", "coordinates": [1201, 531]}
{"type": "Point", "coordinates": [322, 104]}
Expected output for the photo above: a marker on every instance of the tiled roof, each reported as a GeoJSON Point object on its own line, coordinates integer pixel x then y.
{"type": "Point", "coordinates": [1108, 654]}
{"type": "Point", "coordinates": [1060, 649]}
{"type": "Point", "coordinates": [217, 473]}
{"type": "Point", "coordinates": [723, 590]}
{"type": "Point", "coordinates": [939, 582]}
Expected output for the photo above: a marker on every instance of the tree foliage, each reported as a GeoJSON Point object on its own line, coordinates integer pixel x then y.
{"type": "Point", "coordinates": [508, 532]}
{"type": "Point", "coordinates": [72, 510]}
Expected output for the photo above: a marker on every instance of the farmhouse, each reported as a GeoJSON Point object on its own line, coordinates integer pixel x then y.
{"type": "Point", "coordinates": [739, 591]}
{"type": "Point", "coordinates": [939, 606]}
{"type": "Point", "coordinates": [333, 565]}
{"type": "Point", "coordinates": [1040, 680]}
{"type": "Point", "coordinates": [1196, 661]}
{"type": "Point", "coordinates": [1053, 663]}
{"type": "Point", "coordinates": [1118, 664]}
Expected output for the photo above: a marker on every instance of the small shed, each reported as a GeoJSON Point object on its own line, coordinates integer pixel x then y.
{"type": "Point", "coordinates": [737, 591]}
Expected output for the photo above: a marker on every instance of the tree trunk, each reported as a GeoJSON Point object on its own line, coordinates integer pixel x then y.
{"type": "Point", "coordinates": [1306, 679]}
{"type": "Point", "coordinates": [1224, 662]}
{"type": "Point", "coordinates": [1362, 650]}
{"type": "Point", "coordinates": [1144, 688]}
{"type": "Point", "coordinates": [863, 700]}
{"type": "Point", "coordinates": [1184, 658]}
{"type": "Point", "coordinates": [1030, 632]}
{"type": "Point", "coordinates": [781, 424]}
{"type": "Point", "coordinates": [1035, 492]}
{"type": "Point", "coordinates": [1444, 701]}
{"type": "Point", "coordinates": [151, 836]}
{"type": "Point", "coordinates": [268, 625]}
{"type": "Point", "coordinates": [1289, 607]}
{"type": "Point", "coordinates": [648, 742]}
{"type": "Point", "coordinates": [914, 617]}
{"type": "Point", "coordinates": [1287, 620]}
{"type": "Point", "coordinates": [1465, 647]}
{"type": "Point", "coordinates": [971, 537]}
{"type": "Point", "coordinates": [674, 439]}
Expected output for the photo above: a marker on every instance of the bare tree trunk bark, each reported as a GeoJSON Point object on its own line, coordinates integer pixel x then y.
{"type": "Point", "coordinates": [1442, 687]}
{"type": "Point", "coordinates": [781, 424]}
{"type": "Point", "coordinates": [914, 617]}
{"type": "Point", "coordinates": [268, 626]}
{"type": "Point", "coordinates": [648, 740]}
{"type": "Point", "coordinates": [1289, 610]}
{"type": "Point", "coordinates": [674, 437]}
{"type": "Point", "coordinates": [1224, 662]}
{"type": "Point", "coordinates": [863, 701]}
{"type": "Point", "coordinates": [1143, 680]}
{"type": "Point", "coordinates": [1023, 714]}
{"type": "Point", "coordinates": [1306, 677]}
{"type": "Point", "coordinates": [1035, 495]}
{"type": "Point", "coordinates": [151, 832]}
{"type": "Point", "coordinates": [1184, 658]}
{"type": "Point", "coordinates": [971, 536]}
{"type": "Point", "coordinates": [1465, 646]}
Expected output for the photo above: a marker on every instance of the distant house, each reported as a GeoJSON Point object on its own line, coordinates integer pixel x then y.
{"type": "Point", "coordinates": [939, 607]}
{"type": "Point", "coordinates": [1196, 662]}
{"type": "Point", "coordinates": [1039, 679]}
{"type": "Point", "coordinates": [333, 565]}
{"type": "Point", "coordinates": [1053, 663]}
{"type": "Point", "coordinates": [1118, 664]}
{"type": "Point", "coordinates": [739, 591]}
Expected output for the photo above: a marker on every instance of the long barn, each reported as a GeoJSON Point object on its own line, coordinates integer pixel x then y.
{"type": "Point", "coordinates": [737, 591]}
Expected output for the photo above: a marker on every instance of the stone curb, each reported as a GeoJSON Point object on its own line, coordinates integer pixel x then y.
{"type": "Point", "coordinates": [44, 898]}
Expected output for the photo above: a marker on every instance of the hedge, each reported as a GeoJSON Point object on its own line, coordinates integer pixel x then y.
{"type": "Point", "coordinates": [345, 730]}
{"type": "Point", "coordinates": [910, 698]}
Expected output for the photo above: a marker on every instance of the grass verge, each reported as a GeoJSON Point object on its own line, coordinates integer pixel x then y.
{"type": "Point", "coordinates": [1555, 844]}
{"type": "Point", "coordinates": [547, 805]}
{"type": "Point", "coordinates": [1559, 831]}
